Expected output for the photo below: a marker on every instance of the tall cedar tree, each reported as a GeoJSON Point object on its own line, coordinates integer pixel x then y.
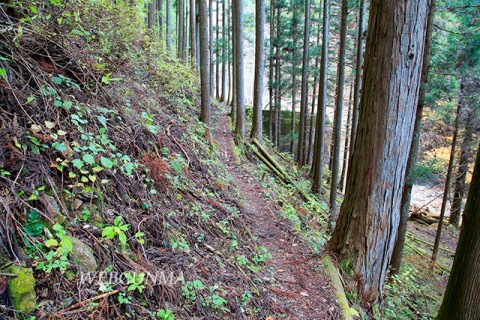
{"type": "Point", "coordinates": [337, 132]}
{"type": "Point", "coordinates": [204, 62]}
{"type": "Point", "coordinates": [239, 69]}
{"type": "Point", "coordinates": [168, 8]}
{"type": "Point", "coordinates": [358, 77]}
{"type": "Point", "coordinates": [302, 130]}
{"type": "Point", "coordinates": [412, 158]}
{"type": "Point", "coordinates": [462, 296]}
{"type": "Point", "coordinates": [367, 225]}
{"type": "Point", "coordinates": [259, 69]}
{"type": "Point", "coordinates": [448, 180]}
{"type": "Point", "coordinates": [317, 166]}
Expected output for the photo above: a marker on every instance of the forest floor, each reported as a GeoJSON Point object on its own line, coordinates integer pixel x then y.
{"type": "Point", "coordinates": [299, 282]}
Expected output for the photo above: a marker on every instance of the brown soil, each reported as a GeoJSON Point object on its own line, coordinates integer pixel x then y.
{"type": "Point", "coordinates": [298, 283]}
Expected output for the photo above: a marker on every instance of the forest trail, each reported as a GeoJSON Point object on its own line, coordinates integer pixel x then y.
{"type": "Point", "coordinates": [299, 285]}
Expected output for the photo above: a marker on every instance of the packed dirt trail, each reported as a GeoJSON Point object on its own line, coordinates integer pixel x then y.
{"type": "Point", "coordinates": [299, 285]}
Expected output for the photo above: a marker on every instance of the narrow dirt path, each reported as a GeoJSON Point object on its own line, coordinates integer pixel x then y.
{"type": "Point", "coordinates": [299, 286]}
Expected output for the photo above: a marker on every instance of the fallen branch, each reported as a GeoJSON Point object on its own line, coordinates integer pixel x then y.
{"type": "Point", "coordinates": [83, 302]}
{"type": "Point", "coordinates": [337, 285]}
{"type": "Point", "coordinates": [412, 237]}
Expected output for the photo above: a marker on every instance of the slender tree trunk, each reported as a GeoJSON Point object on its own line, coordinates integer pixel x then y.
{"type": "Point", "coordinates": [347, 140]}
{"type": "Point", "coordinates": [317, 166]}
{"type": "Point", "coordinates": [217, 52]}
{"type": "Point", "coordinates": [229, 47]}
{"type": "Point", "coordinates": [169, 25]}
{"type": "Point", "coordinates": [234, 69]}
{"type": "Point", "coordinates": [367, 226]}
{"type": "Point", "coordinates": [448, 180]}
{"type": "Point", "coordinates": [181, 30]}
{"type": "Point", "coordinates": [358, 76]}
{"type": "Point", "coordinates": [193, 38]}
{"type": "Point", "coordinates": [469, 87]}
{"type": "Point", "coordinates": [459, 189]}
{"type": "Point", "coordinates": [259, 69]}
{"type": "Point", "coordinates": [337, 133]}
{"type": "Point", "coordinates": [222, 98]}
{"type": "Point", "coordinates": [239, 70]}
{"type": "Point", "coordinates": [213, 83]}
{"type": "Point", "coordinates": [311, 130]}
{"type": "Point", "coordinates": [461, 300]}
{"type": "Point", "coordinates": [278, 80]}
{"type": "Point", "coordinates": [302, 129]}
{"type": "Point", "coordinates": [294, 78]}
{"type": "Point", "coordinates": [204, 62]}
{"type": "Point", "coordinates": [412, 158]}
{"type": "Point", "coordinates": [271, 78]}
{"type": "Point", "coordinates": [160, 19]}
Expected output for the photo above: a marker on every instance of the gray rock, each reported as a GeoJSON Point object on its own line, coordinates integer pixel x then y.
{"type": "Point", "coordinates": [83, 255]}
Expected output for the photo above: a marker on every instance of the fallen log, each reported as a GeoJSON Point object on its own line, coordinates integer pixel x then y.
{"type": "Point", "coordinates": [338, 287]}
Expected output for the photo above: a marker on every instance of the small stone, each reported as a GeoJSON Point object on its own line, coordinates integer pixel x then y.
{"type": "Point", "coordinates": [266, 279]}
{"type": "Point", "coordinates": [77, 203]}
{"type": "Point", "coordinates": [210, 248]}
{"type": "Point", "coordinates": [83, 255]}
{"type": "Point", "coordinates": [22, 289]}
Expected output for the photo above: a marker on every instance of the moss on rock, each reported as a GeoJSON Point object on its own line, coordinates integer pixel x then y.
{"type": "Point", "coordinates": [22, 289]}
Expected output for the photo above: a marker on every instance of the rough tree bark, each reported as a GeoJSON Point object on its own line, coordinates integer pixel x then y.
{"type": "Point", "coordinates": [259, 70]}
{"type": "Point", "coordinates": [222, 97]}
{"type": "Point", "coordinates": [213, 83]}
{"type": "Point", "coordinates": [396, 260]}
{"type": "Point", "coordinates": [462, 297]}
{"type": "Point", "coordinates": [181, 30]}
{"type": "Point", "coordinates": [366, 228]}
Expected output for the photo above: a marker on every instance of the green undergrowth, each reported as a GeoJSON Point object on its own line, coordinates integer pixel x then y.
{"type": "Point", "coordinates": [105, 167]}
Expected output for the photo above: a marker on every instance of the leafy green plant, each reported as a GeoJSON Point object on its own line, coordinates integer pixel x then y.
{"type": "Point", "coordinates": [124, 299]}
{"type": "Point", "coordinates": [135, 281]}
{"type": "Point", "coordinates": [33, 226]}
{"type": "Point", "coordinates": [189, 289]}
{"type": "Point", "coordinates": [164, 314]}
{"type": "Point", "coordinates": [118, 229]}
{"type": "Point", "coordinates": [59, 247]}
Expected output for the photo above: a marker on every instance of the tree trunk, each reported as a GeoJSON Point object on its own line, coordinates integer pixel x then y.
{"type": "Point", "coordinates": [358, 76]}
{"type": "Point", "coordinates": [160, 19]}
{"type": "Point", "coordinates": [193, 38]}
{"type": "Point", "coordinates": [396, 260]}
{"type": "Point", "coordinates": [239, 69]}
{"type": "Point", "coordinates": [213, 83]}
{"type": "Point", "coordinates": [224, 61]}
{"type": "Point", "coordinates": [278, 80]}
{"type": "Point", "coordinates": [366, 229]}
{"type": "Point", "coordinates": [271, 78]}
{"type": "Point", "coordinates": [469, 87]}
{"type": "Point", "coordinates": [294, 77]}
{"type": "Point", "coordinates": [259, 70]}
{"type": "Point", "coordinates": [446, 191]}
{"type": "Point", "coordinates": [302, 129]}
{"type": "Point", "coordinates": [169, 25]}
{"type": "Point", "coordinates": [181, 30]}
{"type": "Point", "coordinates": [204, 62]}
{"type": "Point", "coordinates": [337, 133]}
{"type": "Point", "coordinates": [317, 166]}
{"type": "Point", "coordinates": [461, 300]}
{"type": "Point", "coordinates": [347, 140]}
{"type": "Point", "coordinates": [217, 51]}
{"type": "Point", "coordinates": [311, 130]}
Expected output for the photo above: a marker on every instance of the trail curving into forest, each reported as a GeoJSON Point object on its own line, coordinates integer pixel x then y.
{"type": "Point", "coordinates": [299, 285]}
